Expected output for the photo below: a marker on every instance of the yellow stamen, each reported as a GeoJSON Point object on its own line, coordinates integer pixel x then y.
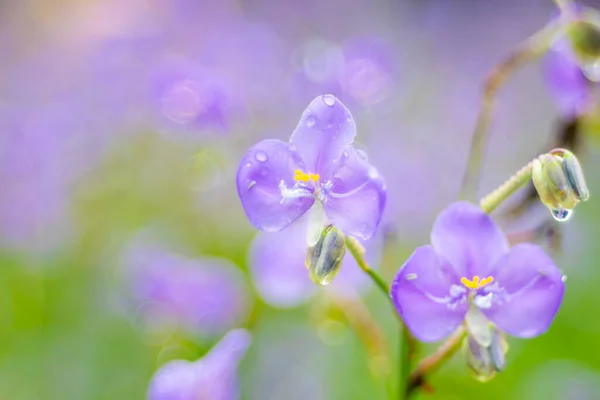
{"type": "Point", "coordinates": [476, 283]}
{"type": "Point", "coordinates": [304, 177]}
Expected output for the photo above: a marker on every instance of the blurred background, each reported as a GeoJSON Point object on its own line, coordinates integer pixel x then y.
{"type": "Point", "coordinates": [123, 244]}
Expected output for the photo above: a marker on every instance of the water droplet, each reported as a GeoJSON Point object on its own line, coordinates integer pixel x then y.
{"type": "Point", "coordinates": [373, 174]}
{"type": "Point", "coordinates": [411, 277]}
{"type": "Point", "coordinates": [561, 214]}
{"type": "Point", "coordinates": [563, 278]}
{"type": "Point", "coordinates": [261, 156]}
{"type": "Point", "coordinates": [248, 164]}
{"type": "Point", "coordinates": [251, 184]}
{"type": "Point", "coordinates": [329, 100]}
{"type": "Point", "coordinates": [311, 120]}
{"type": "Point", "coordinates": [592, 71]}
{"type": "Point", "coordinates": [345, 154]}
{"type": "Point", "coordinates": [361, 153]}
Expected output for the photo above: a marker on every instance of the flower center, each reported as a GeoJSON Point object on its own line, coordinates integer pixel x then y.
{"type": "Point", "coordinates": [476, 283]}
{"type": "Point", "coordinates": [304, 177]}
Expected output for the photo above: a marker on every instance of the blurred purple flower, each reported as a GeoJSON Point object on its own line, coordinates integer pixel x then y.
{"type": "Point", "coordinates": [277, 265]}
{"type": "Point", "coordinates": [205, 295]}
{"type": "Point", "coordinates": [469, 266]}
{"type": "Point", "coordinates": [213, 377]}
{"type": "Point", "coordinates": [565, 81]}
{"type": "Point", "coordinates": [191, 96]}
{"type": "Point", "coordinates": [278, 182]}
{"type": "Point", "coordinates": [359, 72]}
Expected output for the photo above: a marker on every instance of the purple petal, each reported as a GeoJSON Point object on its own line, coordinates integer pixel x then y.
{"type": "Point", "coordinates": [356, 201]}
{"type": "Point", "coordinates": [212, 377]}
{"type": "Point", "coordinates": [205, 296]}
{"type": "Point", "coordinates": [421, 292]}
{"type": "Point", "coordinates": [564, 80]}
{"type": "Point", "coordinates": [259, 176]}
{"type": "Point", "coordinates": [175, 380]}
{"type": "Point", "coordinates": [531, 290]}
{"type": "Point", "coordinates": [324, 131]}
{"type": "Point", "coordinates": [277, 266]}
{"type": "Point", "coordinates": [468, 238]}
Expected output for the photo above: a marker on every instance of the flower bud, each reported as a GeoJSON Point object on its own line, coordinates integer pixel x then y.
{"type": "Point", "coordinates": [324, 259]}
{"type": "Point", "coordinates": [583, 34]}
{"type": "Point", "coordinates": [559, 181]}
{"type": "Point", "coordinates": [585, 40]}
{"type": "Point", "coordinates": [485, 360]}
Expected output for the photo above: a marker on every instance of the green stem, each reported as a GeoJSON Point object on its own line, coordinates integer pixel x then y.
{"type": "Point", "coordinates": [358, 252]}
{"type": "Point", "coordinates": [409, 342]}
{"type": "Point", "coordinates": [504, 191]}
{"type": "Point", "coordinates": [435, 361]}
{"type": "Point", "coordinates": [529, 50]}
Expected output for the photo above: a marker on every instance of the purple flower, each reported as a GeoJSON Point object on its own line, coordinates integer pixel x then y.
{"type": "Point", "coordinates": [277, 265]}
{"type": "Point", "coordinates": [565, 81]}
{"type": "Point", "coordinates": [278, 182]}
{"type": "Point", "coordinates": [205, 295]}
{"type": "Point", "coordinates": [359, 72]}
{"type": "Point", "coordinates": [212, 377]}
{"type": "Point", "coordinates": [192, 96]}
{"type": "Point", "coordinates": [469, 267]}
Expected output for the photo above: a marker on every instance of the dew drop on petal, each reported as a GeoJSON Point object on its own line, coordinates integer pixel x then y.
{"type": "Point", "coordinates": [373, 174]}
{"type": "Point", "coordinates": [563, 278]}
{"type": "Point", "coordinates": [311, 120]}
{"type": "Point", "coordinates": [411, 277]}
{"type": "Point", "coordinates": [561, 214]}
{"type": "Point", "coordinates": [261, 156]}
{"type": "Point", "coordinates": [251, 184]}
{"type": "Point", "coordinates": [329, 100]}
{"type": "Point", "coordinates": [248, 164]}
{"type": "Point", "coordinates": [345, 154]}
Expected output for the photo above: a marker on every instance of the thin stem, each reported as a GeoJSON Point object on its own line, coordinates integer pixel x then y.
{"type": "Point", "coordinates": [504, 191]}
{"type": "Point", "coordinates": [564, 5]}
{"type": "Point", "coordinates": [361, 320]}
{"type": "Point", "coordinates": [409, 342]}
{"type": "Point", "coordinates": [358, 252]}
{"type": "Point", "coordinates": [435, 361]}
{"type": "Point", "coordinates": [529, 50]}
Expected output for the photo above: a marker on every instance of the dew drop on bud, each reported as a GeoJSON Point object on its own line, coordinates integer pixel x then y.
{"type": "Point", "coordinates": [324, 259]}
{"type": "Point", "coordinates": [561, 214]}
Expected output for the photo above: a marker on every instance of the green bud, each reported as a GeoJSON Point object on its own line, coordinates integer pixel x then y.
{"type": "Point", "coordinates": [559, 181]}
{"type": "Point", "coordinates": [585, 40]}
{"type": "Point", "coordinates": [485, 361]}
{"type": "Point", "coordinates": [550, 181]}
{"type": "Point", "coordinates": [324, 259]}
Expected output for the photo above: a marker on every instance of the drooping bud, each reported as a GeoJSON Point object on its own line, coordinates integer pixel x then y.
{"type": "Point", "coordinates": [583, 33]}
{"type": "Point", "coordinates": [485, 361]}
{"type": "Point", "coordinates": [324, 259]}
{"type": "Point", "coordinates": [485, 347]}
{"type": "Point", "coordinates": [559, 181]}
